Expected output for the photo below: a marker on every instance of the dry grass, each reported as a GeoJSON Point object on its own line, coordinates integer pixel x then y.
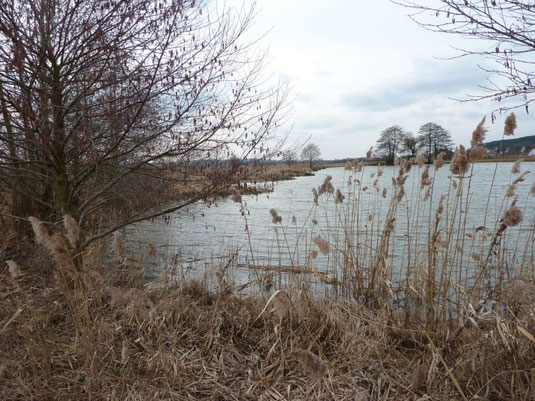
{"type": "Point", "coordinates": [184, 342]}
{"type": "Point", "coordinates": [255, 179]}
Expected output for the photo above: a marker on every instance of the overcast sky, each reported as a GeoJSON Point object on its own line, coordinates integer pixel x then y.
{"type": "Point", "coordinates": [358, 67]}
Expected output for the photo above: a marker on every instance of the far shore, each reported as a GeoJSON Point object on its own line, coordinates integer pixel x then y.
{"type": "Point", "coordinates": [262, 180]}
{"type": "Point", "coordinates": [381, 162]}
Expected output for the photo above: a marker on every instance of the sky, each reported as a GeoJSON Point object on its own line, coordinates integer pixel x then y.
{"type": "Point", "coordinates": [356, 67]}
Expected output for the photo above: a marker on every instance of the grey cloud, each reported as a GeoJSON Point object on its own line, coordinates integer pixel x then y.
{"type": "Point", "coordinates": [430, 79]}
{"type": "Point", "coordinates": [319, 122]}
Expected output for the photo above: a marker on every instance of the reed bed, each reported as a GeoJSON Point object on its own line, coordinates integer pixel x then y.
{"type": "Point", "coordinates": [418, 303]}
{"type": "Point", "coordinates": [181, 341]}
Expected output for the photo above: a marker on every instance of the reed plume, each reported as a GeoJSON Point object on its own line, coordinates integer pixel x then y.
{"type": "Point", "coordinates": [39, 230]}
{"type": "Point", "coordinates": [519, 291]}
{"type": "Point", "coordinates": [118, 245]}
{"type": "Point", "coordinates": [439, 161]}
{"type": "Point", "coordinates": [235, 195]}
{"type": "Point", "coordinates": [339, 197]}
{"type": "Point", "coordinates": [512, 216]}
{"type": "Point", "coordinates": [425, 178]}
{"type": "Point", "coordinates": [420, 160]}
{"type": "Point", "coordinates": [326, 186]}
{"type": "Point", "coordinates": [460, 164]}
{"type": "Point", "coordinates": [275, 218]}
{"type": "Point", "coordinates": [512, 188]}
{"type": "Point", "coordinates": [53, 243]}
{"type": "Point", "coordinates": [316, 195]}
{"type": "Point", "coordinates": [322, 244]}
{"type": "Point", "coordinates": [516, 167]}
{"type": "Point", "coordinates": [14, 269]}
{"type": "Point", "coordinates": [478, 152]}
{"type": "Point", "coordinates": [479, 134]}
{"type": "Point", "coordinates": [281, 304]}
{"type": "Point", "coordinates": [510, 125]}
{"type": "Point", "coordinates": [310, 363]}
{"type": "Point", "coordinates": [400, 194]}
{"type": "Point", "coordinates": [72, 228]}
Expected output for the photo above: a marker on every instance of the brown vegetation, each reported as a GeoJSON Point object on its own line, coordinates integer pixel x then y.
{"type": "Point", "coordinates": [172, 341]}
{"type": "Point", "coordinates": [455, 320]}
{"type": "Point", "coordinates": [252, 180]}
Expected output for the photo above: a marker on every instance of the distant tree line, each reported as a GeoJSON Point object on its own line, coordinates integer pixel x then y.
{"type": "Point", "coordinates": [430, 141]}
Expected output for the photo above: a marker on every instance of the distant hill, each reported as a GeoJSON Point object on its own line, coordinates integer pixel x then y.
{"type": "Point", "coordinates": [513, 146]}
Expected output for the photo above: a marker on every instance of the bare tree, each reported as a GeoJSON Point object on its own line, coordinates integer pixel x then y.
{"type": "Point", "coordinates": [310, 152]}
{"type": "Point", "coordinates": [505, 28]}
{"type": "Point", "coordinates": [409, 144]}
{"type": "Point", "coordinates": [289, 156]}
{"type": "Point", "coordinates": [433, 139]}
{"type": "Point", "coordinates": [102, 102]}
{"type": "Point", "coordinates": [390, 142]}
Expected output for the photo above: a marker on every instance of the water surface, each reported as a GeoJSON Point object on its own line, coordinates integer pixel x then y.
{"type": "Point", "coordinates": [204, 236]}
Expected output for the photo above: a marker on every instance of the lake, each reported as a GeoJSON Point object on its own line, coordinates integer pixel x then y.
{"type": "Point", "coordinates": [205, 238]}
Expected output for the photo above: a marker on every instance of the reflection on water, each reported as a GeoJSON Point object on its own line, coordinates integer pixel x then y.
{"type": "Point", "coordinates": [203, 235]}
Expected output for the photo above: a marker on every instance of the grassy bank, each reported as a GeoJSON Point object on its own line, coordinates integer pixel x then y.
{"type": "Point", "coordinates": [252, 180]}
{"type": "Point", "coordinates": [117, 339]}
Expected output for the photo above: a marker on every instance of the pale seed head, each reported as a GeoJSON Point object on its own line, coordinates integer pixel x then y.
{"type": "Point", "coordinates": [510, 125]}
{"type": "Point", "coordinates": [513, 216]}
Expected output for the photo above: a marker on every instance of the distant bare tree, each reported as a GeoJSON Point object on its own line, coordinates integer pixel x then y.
{"type": "Point", "coordinates": [310, 152]}
{"type": "Point", "coordinates": [409, 144]}
{"type": "Point", "coordinates": [505, 28]}
{"type": "Point", "coordinates": [100, 101]}
{"type": "Point", "coordinates": [390, 142]}
{"type": "Point", "coordinates": [433, 139]}
{"type": "Point", "coordinates": [289, 156]}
